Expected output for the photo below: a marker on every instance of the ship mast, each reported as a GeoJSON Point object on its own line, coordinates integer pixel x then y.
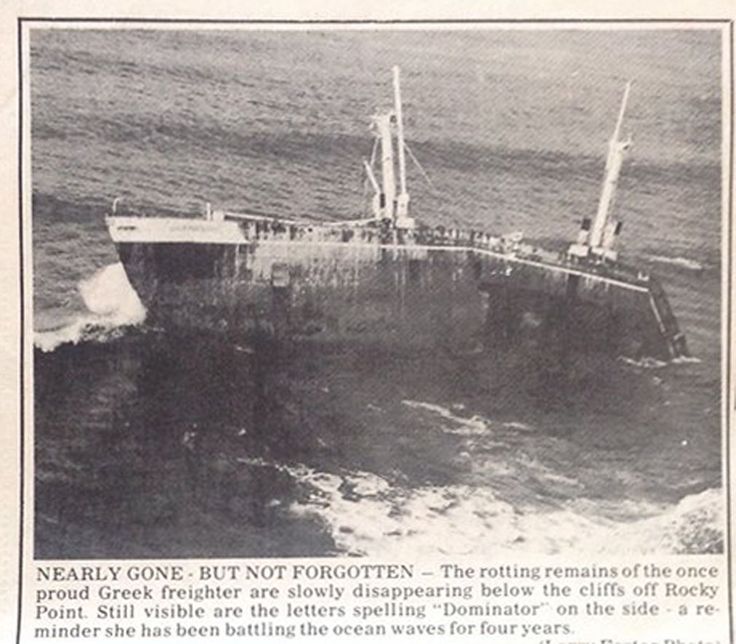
{"type": "Point", "coordinates": [391, 206]}
{"type": "Point", "coordinates": [402, 203]}
{"type": "Point", "coordinates": [599, 238]}
{"type": "Point", "coordinates": [388, 181]}
{"type": "Point", "coordinates": [376, 188]}
{"type": "Point", "coordinates": [603, 232]}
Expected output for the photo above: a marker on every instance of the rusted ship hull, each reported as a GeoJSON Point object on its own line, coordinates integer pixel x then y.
{"type": "Point", "coordinates": [456, 297]}
{"type": "Point", "coordinates": [390, 279]}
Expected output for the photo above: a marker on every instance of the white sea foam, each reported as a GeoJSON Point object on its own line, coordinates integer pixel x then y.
{"type": "Point", "coordinates": [366, 515]}
{"type": "Point", "coordinates": [644, 363]}
{"type": "Point", "coordinates": [521, 427]}
{"type": "Point", "coordinates": [473, 425]}
{"type": "Point", "coordinates": [686, 360]}
{"type": "Point", "coordinates": [694, 525]}
{"type": "Point", "coordinates": [453, 520]}
{"type": "Point", "coordinates": [112, 305]}
{"type": "Point", "coordinates": [653, 363]}
{"type": "Point", "coordinates": [464, 425]}
{"type": "Point", "coordinates": [682, 262]}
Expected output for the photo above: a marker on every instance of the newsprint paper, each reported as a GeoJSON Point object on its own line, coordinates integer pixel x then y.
{"type": "Point", "coordinates": [366, 323]}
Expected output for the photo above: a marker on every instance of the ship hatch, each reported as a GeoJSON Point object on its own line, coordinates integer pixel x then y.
{"type": "Point", "coordinates": [280, 276]}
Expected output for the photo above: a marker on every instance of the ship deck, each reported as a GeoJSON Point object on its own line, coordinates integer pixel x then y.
{"type": "Point", "coordinates": [238, 228]}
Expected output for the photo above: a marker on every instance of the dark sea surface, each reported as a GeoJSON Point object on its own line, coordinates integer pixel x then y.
{"type": "Point", "coordinates": [151, 445]}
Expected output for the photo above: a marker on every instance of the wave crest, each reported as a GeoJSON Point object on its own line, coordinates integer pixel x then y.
{"type": "Point", "coordinates": [368, 515]}
{"type": "Point", "coordinates": [682, 262]}
{"type": "Point", "coordinates": [112, 305]}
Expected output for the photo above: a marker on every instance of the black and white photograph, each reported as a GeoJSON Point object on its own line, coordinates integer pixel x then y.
{"type": "Point", "coordinates": [376, 290]}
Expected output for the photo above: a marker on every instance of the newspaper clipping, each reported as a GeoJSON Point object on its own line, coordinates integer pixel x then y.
{"type": "Point", "coordinates": [373, 328]}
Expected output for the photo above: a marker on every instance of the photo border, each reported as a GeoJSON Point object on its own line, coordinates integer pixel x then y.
{"type": "Point", "coordinates": [726, 232]}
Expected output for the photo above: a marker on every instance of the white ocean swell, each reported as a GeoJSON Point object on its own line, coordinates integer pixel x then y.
{"type": "Point", "coordinates": [367, 515]}
{"type": "Point", "coordinates": [682, 262]}
{"type": "Point", "coordinates": [112, 305]}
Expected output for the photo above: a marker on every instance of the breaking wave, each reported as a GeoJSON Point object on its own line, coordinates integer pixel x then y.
{"type": "Point", "coordinates": [367, 515]}
{"type": "Point", "coordinates": [461, 425]}
{"type": "Point", "coordinates": [686, 360]}
{"type": "Point", "coordinates": [112, 305]}
{"type": "Point", "coordinates": [643, 363]}
{"type": "Point", "coordinates": [551, 512]}
{"type": "Point", "coordinates": [475, 425]}
{"type": "Point", "coordinates": [652, 363]}
{"type": "Point", "coordinates": [682, 262]}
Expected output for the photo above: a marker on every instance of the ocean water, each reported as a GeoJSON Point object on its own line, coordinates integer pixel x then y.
{"type": "Point", "coordinates": [150, 445]}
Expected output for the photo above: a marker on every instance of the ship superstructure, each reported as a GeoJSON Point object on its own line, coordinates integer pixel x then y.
{"type": "Point", "coordinates": [391, 278]}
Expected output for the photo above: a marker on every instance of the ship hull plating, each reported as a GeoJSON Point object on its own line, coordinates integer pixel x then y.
{"type": "Point", "coordinates": [393, 295]}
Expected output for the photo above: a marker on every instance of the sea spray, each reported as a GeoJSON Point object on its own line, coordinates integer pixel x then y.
{"type": "Point", "coordinates": [112, 304]}
{"type": "Point", "coordinates": [392, 521]}
{"type": "Point", "coordinates": [108, 293]}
